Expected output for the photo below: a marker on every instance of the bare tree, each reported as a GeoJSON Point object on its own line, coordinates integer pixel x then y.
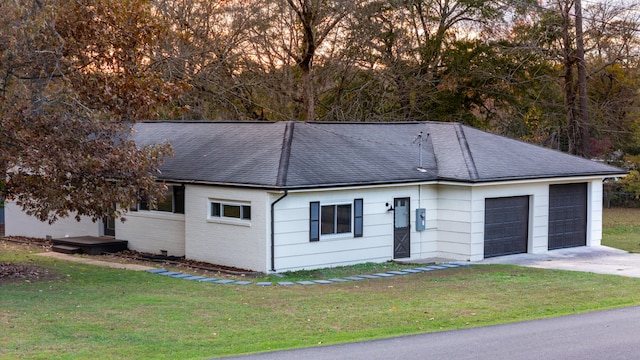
{"type": "Point", "coordinates": [296, 33]}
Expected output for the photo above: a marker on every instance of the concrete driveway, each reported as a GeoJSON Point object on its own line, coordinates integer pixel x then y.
{"type": "Point", "coordinates": [597, 259]}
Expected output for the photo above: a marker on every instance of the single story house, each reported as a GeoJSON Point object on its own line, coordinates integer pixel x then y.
{"type": "Point", "coordinates": [283, 196]}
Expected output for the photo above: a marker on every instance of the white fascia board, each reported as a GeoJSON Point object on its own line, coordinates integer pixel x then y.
{"type": "Point", "coordinates": [456, 183]}
{"type": "Point", "coordinates": [571, 179]}
{"type": "Point", "coordinates": [357, 187]}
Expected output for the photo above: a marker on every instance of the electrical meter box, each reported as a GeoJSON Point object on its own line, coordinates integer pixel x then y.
{"type": "Point", "coordinates": [421, 220]}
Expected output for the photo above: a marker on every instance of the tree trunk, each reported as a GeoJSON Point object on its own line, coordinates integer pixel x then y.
{"type": "Point", "coordinates": [308, 97]}
{"type": "Point", "coordinates": [582, 83]}
{"type": "Point", "coordinates": [572, 124]}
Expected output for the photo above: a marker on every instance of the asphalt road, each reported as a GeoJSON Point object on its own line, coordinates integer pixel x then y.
{"type": "Point", "coordinates": [611, 334]}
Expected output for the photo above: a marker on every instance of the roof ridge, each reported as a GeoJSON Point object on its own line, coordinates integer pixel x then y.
{"type": "Point", "coordinates": [466, 152]}
{"type": "Point", "coordinates": [285, 154]}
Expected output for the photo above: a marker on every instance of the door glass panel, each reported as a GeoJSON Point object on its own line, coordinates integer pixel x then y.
{"type": "Point", "coordinates": [401, 214]}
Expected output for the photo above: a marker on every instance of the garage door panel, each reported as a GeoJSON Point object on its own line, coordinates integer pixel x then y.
{"type": "Point", "coordinates": [506, 226]}
{"type": "Point", "coordinates": [567, 215]}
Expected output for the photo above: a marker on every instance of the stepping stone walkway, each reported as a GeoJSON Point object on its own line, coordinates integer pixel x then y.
{"type": "Point", "coordinates": [388, 274]}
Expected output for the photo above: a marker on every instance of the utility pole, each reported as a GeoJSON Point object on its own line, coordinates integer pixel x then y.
{"type": "Point", "coordinates": [582, 82]}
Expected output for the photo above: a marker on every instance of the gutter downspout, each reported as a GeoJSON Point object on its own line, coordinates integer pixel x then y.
{"type": "Point", "coordinates": [281, 181]}
{"type": "Point", "coordinates": [273, 234]}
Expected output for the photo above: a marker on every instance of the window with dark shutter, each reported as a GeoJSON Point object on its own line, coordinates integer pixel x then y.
{"type": "Point", "coordinates": [335, 219]}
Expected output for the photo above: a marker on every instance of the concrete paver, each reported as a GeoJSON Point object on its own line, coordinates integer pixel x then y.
{"type": "Point", "coordinates": [596, 259]}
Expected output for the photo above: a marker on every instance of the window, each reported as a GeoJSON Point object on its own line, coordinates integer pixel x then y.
{"type": "Point", "coordinates": [335, 219]}
{"type": "Point", "coordinates": [173, 201]}
{"type": "Point", "coordinates": [166, 204]}
{"type": "Point", "coordinates": [229, 210]}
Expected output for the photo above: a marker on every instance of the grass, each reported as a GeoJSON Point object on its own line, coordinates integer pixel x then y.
{"type": "Point", "coordinates": [94, 312]}
{"type": "Point", "coordinates": [337, 272]}
{"type": "Point", "coordinates": [621, 229]}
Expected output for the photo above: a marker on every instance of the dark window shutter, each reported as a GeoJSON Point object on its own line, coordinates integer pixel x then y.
{"type": "Point", "coordinates": [357, 218]}
{"type": "Point", "coordinates": [314, 221]}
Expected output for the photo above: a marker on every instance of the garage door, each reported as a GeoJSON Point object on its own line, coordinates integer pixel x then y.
{"type": "Point", "coordinates": [506, 226]}
{"type": "Point", "coordinates": [567, 215]}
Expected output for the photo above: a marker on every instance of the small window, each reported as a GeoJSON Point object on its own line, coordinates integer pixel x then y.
{"type": "Point", "coordinates": [166, 204]}
{"type": "Point", "coordinates": [227, 210]}
{"type": "Point", "coordinates": [143, 204]}
{"type": "Point", "coordinates": [331, 219]}
{"type": "Point", "coordinates": [173, 201]}
{"type": "Point", "coordinates": [178, 199]}
{"type": "Point", "coordinates": [335, 219]}
{"type": "Point", "coordinates": [215, 209]}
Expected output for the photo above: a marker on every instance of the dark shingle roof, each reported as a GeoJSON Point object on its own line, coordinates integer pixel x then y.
{"type": "Point", "coordinates": [291, 155]}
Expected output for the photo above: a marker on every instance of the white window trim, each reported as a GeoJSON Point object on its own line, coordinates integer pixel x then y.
{"type": "Point", "coordinates": [337, 235]}
{"type": "Point", "coordinates": [227, 220]}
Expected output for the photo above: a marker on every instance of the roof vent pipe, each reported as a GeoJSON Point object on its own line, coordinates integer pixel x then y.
{"type": "Point", "coordinates": [418, 139]}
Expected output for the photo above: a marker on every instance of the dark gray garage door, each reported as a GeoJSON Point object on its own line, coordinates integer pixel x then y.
{"type": "Point", "coordinates": [506, 226]}
{"type": "Point", "coordinates": [567, 215]}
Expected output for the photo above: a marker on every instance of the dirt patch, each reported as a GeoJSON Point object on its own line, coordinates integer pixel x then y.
{"type": "Point", "coordinates": [43, 244]}
{"type": "Point", "coordinates": [24, 271]}
{"type": "Point", "coordinates": [176, 262]}
{"type": "Point", "coordinates": [15, 273]}
{"type": "Point", "coordinates": [134, 257]}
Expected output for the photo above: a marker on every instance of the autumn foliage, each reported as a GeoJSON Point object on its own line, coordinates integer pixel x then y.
{"type": "Point", "coordinates": [75, 74]}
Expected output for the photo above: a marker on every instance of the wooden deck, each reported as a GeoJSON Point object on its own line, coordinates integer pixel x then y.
{"type": "Point", "coordinates": [92, 245]}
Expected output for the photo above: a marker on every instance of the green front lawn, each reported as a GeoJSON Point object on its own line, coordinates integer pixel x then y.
{"type": "Point", "coordinates": [621, 229]}
{"type": "Point", "coordinates": [90, 312]}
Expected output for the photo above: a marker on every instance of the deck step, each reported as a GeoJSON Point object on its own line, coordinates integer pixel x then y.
{"type": "Point", "coordinates": [66, 249]}
{"type": "Point", "coordinates": [92, 245]}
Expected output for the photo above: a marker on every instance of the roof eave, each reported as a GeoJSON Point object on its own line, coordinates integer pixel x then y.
{"type": "Point", "coordinates": [397, 182]}
{"type": "Point", "coordinates": [535, 178]}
